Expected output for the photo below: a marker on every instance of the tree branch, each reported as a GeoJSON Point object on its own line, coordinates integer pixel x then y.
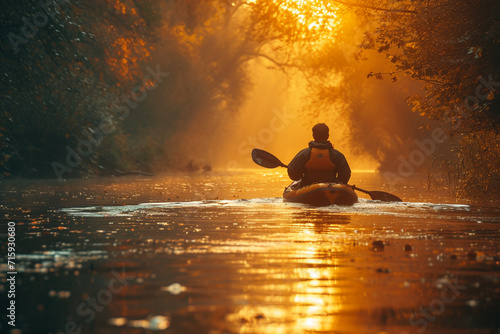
{"type": "Point", "coordinates": [376, 8]}
{"type": "Point", "coordinates": [256, 55]}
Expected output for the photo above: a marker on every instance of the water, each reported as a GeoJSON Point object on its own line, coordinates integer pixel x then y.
{"type": "Point", "coordinates": [212, 253]}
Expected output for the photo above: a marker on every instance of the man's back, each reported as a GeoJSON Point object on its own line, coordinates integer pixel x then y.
{"type": "Point", "coordinates": [314, 168]}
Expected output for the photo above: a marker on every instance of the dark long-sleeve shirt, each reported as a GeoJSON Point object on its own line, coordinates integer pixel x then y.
{"type": "Point", "coordinates": [297, 167]}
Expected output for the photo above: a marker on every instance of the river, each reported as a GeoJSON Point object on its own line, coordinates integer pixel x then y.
{"type": "Point", "coordinates": [222, 253]}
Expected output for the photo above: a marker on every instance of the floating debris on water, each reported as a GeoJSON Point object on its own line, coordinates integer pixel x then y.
{"type": "Point", "coordinates": [473, 303]}
{"type": "Point", "coordinates": [378, 246]}
{"type": "Point", "coordinates": [471, 255]}
{"type": "Point", "coordinates": [174, 288]}
{"type": "Point", "coordinates": [117, 322]}
{"type": "Point", "coordinates": [60, 294]}
{"type": "Point", "coordinates": [153, 323]}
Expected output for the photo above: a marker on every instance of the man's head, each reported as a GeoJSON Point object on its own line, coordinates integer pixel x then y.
{"type": "Point", "coordinates": [321, 132]}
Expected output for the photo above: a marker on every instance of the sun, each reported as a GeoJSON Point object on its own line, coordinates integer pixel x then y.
{"type": "Point", "coordinates": [316, 16]}
{"type": "Point", "coordinates": [313, 14]}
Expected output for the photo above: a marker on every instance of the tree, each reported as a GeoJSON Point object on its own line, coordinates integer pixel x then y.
{"type": "Point", "coordinates": [453, 48]}
{"type": "Point", "coordinates": [62, 63]}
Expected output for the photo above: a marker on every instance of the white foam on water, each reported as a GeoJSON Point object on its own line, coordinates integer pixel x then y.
{"type": "Point", "coordinates": [42, 262]}
{"type": "Point", "coordinates": [132, 210]}
{"type": "Point", "coordinates": [363, 207]}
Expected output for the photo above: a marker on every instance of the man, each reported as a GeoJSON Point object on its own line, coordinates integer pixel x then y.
{"type": "Point", "coordinates": [320, 162]}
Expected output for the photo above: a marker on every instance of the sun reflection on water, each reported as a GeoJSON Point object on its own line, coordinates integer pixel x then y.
{"type": "Point", "coordinates": [297, 294]}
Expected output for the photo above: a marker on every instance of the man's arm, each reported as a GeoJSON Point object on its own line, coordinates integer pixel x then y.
{"type": "Point", "coordinates": [343, 169]}
{"type": "Point", "coordinates": [297, 166]}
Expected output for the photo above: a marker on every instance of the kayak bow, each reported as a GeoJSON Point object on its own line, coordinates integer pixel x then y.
{"type": "Point", "coordinates": [321, 194]}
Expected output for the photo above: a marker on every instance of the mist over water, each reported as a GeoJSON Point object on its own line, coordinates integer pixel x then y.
{"type": "Point", "coordinates": [220, 101]}
{"type": "Point", "coordinates": [369, 121]}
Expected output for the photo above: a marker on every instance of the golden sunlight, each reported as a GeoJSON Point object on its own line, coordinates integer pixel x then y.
{"type": "Point", "coordinates": [316, 15]}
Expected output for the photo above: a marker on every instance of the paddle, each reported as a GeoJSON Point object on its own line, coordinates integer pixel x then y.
{"type": "Point", "coordinates": [379, 195]}
{"type": "Point", "coordinates": [267, 160]}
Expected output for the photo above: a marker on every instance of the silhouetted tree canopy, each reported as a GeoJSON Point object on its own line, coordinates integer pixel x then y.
{"type": "Point", "coordinates": [453, 48]}
{"type": "Point", "coordinates": [62, 64]}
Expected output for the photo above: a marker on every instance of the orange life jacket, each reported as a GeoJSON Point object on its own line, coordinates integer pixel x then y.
{"type": "Point", "coordinates": [320, 168]}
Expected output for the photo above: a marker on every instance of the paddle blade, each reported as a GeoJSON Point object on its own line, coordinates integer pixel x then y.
{"type": "Point", "coordinates": [266, 159]}
{"type": "Point", "coordinates": [379, 195]}
{"type": "Point", "coordinates": [383, 196]}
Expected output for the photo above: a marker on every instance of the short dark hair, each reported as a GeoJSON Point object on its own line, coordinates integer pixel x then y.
{"type": "Point", "coordinates": [321, 132]}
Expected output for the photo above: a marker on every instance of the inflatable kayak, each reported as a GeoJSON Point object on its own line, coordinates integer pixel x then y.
{"type": "Point", "coordinates": [320, 194]}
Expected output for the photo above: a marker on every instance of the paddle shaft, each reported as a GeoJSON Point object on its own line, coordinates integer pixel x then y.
{"type": "Point", "coordinates": [359, 189]}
